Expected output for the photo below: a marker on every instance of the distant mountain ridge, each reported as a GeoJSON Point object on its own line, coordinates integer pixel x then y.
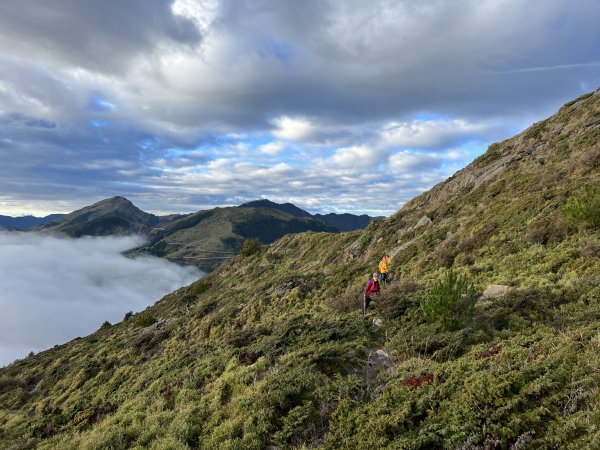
{"type": "Point", "coordinates": [26, 222]}
{"type": "Point", "coordinates": [203, 238]}
{"type": "Point", "coordinates": [343, 222]}
{"type": "Point", "coordinates": [285, 207]}
{"type": "Point", "coordinates": [115, 215]}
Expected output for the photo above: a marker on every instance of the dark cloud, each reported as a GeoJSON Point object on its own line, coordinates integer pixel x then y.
{"type": "Point", "coordinates": [54, 290]}
{"type": "Point", "coordinates": [357, 61]}
{"type": "Point", "coordinates": [94, 96]}
{"type": "Point", "coordinates": [100, 36]}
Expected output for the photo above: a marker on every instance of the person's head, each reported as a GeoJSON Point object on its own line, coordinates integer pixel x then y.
{"type": "Point", "coordinates": [376, 276]}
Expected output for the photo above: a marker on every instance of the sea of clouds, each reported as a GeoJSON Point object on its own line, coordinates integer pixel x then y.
{"type": "Point", "coordinates": [53, 289]}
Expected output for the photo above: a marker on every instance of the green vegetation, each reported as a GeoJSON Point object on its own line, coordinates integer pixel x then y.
{"type": "Point", "coordinates": [271, 349]}
{"type": "Point", "coordinates": [584, 209]}
{"type": "Point", "coordinates": [144, 319]}
{"type": "Point", "coordinates": [250, 247]}
{"type": "Point", "coordinates": [206, 238]}
{"type": "Point", "coordinates": [451, 301]}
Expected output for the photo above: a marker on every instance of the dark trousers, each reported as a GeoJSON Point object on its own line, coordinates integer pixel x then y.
{"type": "Point", "coordinates": [385, 277]}
{"type": "Point", "coordinates": [366, 301]}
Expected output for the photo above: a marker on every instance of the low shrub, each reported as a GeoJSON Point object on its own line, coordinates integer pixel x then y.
{"type": "Point", "coordinates": [250, 247]}
{"type": "Point", "coordinates": [199, 288]}
{"type": "Point", "coordinates": [144, 319]}
{"type": "Point", "coordinates": [591, 158]}
{"type": "Point", "coordinates": [350, 300]}
{"type": "Point", "coordinates": [445, 253]}
{"type": "Point", "coordinates": [451, 301]}
{"type": "Point", "coordinates": [584, 209]}
{"type": "Point", "coordinates": [591, 249]}
{"type": "Point", "coordinates": [545, 230]}
{"type": "Point", "coordinates": [8, 383]}
{"type": "Point", "coordinates": [397, 298]}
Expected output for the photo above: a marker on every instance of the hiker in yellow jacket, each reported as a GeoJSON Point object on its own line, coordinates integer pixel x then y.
{"type": "Point", "coordinates": [384, 269]}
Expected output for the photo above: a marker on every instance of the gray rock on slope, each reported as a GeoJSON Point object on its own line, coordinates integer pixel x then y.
{"type": "Point", "coordinates": [494, 291]}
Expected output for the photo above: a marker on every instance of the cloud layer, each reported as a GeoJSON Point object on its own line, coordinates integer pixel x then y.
{"type": "Point", "coordinates": [159, 100]}
{"type": "Point", "coordinates": [55, 289]}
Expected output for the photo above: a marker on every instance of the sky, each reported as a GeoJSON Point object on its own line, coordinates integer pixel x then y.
{"type": "Point", "coordinates": [333, 105]}
{"type": "Point", "coordinates": [56, 289]}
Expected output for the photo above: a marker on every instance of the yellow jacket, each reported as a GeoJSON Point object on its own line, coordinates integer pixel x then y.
{"type": "Point", "coordinates": [383, 265]}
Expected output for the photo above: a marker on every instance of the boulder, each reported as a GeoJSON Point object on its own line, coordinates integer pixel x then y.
{"type": "Point", "coordinates": [379, 358]}
{"type": "Point", "coordinates": [402, 247]}
{"type": "Point", "coordinates": [495, 291]}
{"type": "Point", "coordinates": [377, 324]}
{"type": "Point", "coordinates": [423, 222]}
{"type": "Point", "coordinates": [356, 248]}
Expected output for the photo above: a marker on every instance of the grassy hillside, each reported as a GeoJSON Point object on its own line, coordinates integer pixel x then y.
{"type": "Point", "coordinates": [206, 238]}
{"type": "Point", "coordinates": [272, 349]}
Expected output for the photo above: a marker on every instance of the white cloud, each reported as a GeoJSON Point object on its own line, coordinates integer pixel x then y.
{"type": "Point", "coordinates": [407, 161]}
{"type": "Point", "coordinates": [55, 289]}
{"type": "Point", "coordinates": [434, 134]}
{"type": "Point", "coordinates": [293, 128]}
{"type": "Point", "coordinates": [357, 156]}
{"type": "Point", "coordinates": [272, 148]}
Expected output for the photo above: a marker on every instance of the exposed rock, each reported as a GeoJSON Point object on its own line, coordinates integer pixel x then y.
{"type": "Point", "coordinates": [295, 282]}
{"type": "Point", "coordinates": [283, 289]}
{"type": "Point", "coordinates": [398, 249]}
{"type": "Point", "coordinates": [377, 324]}
{"type": "Point", "coordinates": [495, 291]}
{"type": "Point", "coordinates": [356, 248]}
{"type": "Point", "coordinates": [423, 222]}
{"type": "Point", "coordinates": [379, 358]}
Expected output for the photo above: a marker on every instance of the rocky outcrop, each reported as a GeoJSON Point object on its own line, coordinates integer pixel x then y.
{"type": "Point", "coordinates": [494, 291]}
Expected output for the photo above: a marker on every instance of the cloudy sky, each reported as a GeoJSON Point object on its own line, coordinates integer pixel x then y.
{"type": "Point", "coordinates": [55, 289]}
{"type": "Point", "coordinates": [340, 105]}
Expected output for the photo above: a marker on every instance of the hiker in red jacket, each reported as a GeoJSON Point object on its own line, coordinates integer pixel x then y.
{"type": "Point", "coordinates": [371, 288]}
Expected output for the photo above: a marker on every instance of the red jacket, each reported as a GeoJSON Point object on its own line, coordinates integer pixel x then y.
{"type": "Point", "coordinates": [372, 287]}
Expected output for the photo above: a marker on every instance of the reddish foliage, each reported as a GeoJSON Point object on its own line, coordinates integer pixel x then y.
{"type": "Point", "coordinates": [418, 380]}
{"type": "Point", "coordinates": [247, 358]}
{"type": "Point", "coordinates": [491, 352]}
{"type": "Point", "coordinates": [170, 388]}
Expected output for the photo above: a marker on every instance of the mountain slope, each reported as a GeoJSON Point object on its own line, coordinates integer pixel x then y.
{"type": "Point", "coordinates": [206, 238]}
{"type": "Point", "coordinates": [115, 215]}
{"type": "Point", "coordinates": [271, 348]}
{"type": "Point", "coordinates": [26, 222]}
{"type": "Point", "coordinates": [342, 222]}
{"type": "Point", "coordinates": [285, 207]}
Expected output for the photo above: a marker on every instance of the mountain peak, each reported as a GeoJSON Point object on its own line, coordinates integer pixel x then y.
{"type": "Point", "coordinates": [117, 200]}
{"type": "Point", "coordinates": [285, 207]}
{"type": "Point", "coordinates": [115, 215]}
